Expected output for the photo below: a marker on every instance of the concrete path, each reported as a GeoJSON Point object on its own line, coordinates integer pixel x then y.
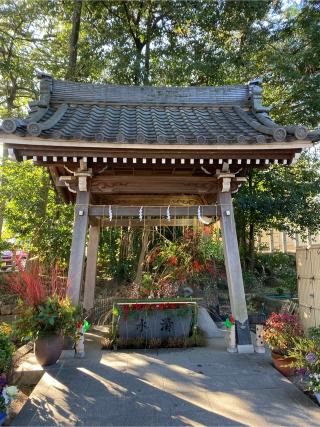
{"type": "Point", "coordinates": [196, 387]}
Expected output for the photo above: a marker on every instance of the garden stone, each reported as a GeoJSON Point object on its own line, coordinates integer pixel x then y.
{"type": "Point", "coordinates": [207, 325]}
{"type": "Point", "coordinates": [6, 309]}
{"type": "Point", "coordinates": [16, 310]}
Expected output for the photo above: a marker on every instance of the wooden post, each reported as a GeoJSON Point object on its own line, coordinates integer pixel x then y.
{"type": "Point", "coordinates": [234, 274]}
{"type": "Point", "coordinates": [91, 268]}
{"type": "Point", "coordinates": [76, 264]}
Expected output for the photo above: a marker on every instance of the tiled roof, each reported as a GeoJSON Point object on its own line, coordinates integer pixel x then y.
{"type": "Point", "coordinates": [151, 115]}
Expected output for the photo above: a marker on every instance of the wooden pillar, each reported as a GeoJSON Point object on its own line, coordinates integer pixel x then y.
{"type": "Point", "coordinates": [91, 268]}
{"type": "Point", "coordinates": [234, 273]}
{"type": "Point", "coordinates": [76, 263]}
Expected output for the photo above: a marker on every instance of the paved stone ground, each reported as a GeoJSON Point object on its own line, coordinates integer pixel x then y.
{"type": "Point", "coordinates": [196, 387]}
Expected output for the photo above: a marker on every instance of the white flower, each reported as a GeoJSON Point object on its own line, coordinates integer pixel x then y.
{"type": "Point", "coordinates": [11, 391]}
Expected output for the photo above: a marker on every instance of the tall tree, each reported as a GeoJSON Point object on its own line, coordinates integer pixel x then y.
{"type": "Point", "coordinates": [74, 37]}
{"type": "Point", "coordinates": [284, 198]}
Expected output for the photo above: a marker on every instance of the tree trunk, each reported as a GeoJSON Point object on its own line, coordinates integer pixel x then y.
{"type": "Point", "coordinates": [147, 64]}
{"type": "Point", "coordinates": [137, 66]}
{"type": "Point", "coordinates": [74, 37]}
{"type": "Point", "coordinates": [144, 246]}
{"type": "Point", "coordinates": [147, 52]}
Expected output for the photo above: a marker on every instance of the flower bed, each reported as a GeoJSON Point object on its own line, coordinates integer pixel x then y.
{"type": "Point", "coordinates": [149, 320]}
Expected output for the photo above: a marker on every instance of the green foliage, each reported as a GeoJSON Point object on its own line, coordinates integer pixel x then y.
{"type": "Point", "coordinates": [33, 214]}
{"type": "Point", "coordinates": [280, 197]}
{"type": "Point", "coordinates": [55, 316]}
{"type": "Point", "coordinates": [277, 270]}
{"type": "Point", "coordinates": [166, 42]}
{"type": "Point", "coordinates": [314, 334]}
{"type": "Point", "coordinates": [6, 348]}
{"type": "Point", "coordinates": [251, 281]}
{"type": "Point", "coordinates": [193, 258]}
{"type": "Point", "coordinates": [163, 43]}
{"type": "Point", "coordinates": [306, 356]}
{"type": "Point", "coordinates": [118, 253]}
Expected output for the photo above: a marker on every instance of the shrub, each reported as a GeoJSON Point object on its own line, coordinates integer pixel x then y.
{"type": "Point", "coordinates": [277, 269]}
{"type": "Point", "coordinates": [6, 348]}
{"type": "Point", "coordinates": [280, 332]}
{"type": "Point", "coordinates": [306, 355]}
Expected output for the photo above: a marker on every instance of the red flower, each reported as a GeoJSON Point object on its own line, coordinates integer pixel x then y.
{"type": "Point", "coordinates": [206, 230]}
{"type": "Point", "coordinates": [197, 266]}
{"type": "Point", "coordinates": [172, 260]}
{"type": "Point", "coordinates": [232, 320]}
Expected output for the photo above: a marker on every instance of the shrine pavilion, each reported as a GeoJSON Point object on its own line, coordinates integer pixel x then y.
{"type": "Point", "coordinates": [130, 152]}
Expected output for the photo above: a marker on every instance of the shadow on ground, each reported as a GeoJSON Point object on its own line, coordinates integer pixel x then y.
{"type": "Point", "coordinates": [200, 386]}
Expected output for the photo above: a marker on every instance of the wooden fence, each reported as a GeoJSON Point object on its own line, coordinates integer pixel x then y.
{"type": "Point", "coordinates": [308, 273]}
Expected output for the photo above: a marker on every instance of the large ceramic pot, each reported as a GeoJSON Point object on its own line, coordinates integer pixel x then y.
{"type": "Point", "coordinates": [280, 362]}
{"type": "Point", "coordinates": [48, 349]}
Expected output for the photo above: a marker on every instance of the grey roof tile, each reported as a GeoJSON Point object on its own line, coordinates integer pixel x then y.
{"type": "Point", "coordinates": [119, 114]}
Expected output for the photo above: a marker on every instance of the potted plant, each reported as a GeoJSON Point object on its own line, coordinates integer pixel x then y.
{"type": "Point", "coordinates": [280, 333]}
{"type": "Point", "coordinates": [46, 312]}
{"type": "Point", "coordinates": [306, 355]}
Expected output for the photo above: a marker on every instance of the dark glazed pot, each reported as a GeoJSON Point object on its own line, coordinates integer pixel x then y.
{"type": "Point", "coordinates": [48, 349]}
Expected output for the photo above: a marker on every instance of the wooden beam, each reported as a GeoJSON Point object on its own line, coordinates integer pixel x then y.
{"type": "Point", "coordinates": [151, 200]}
{"type": "Point", "coordinates": [91, 268]}
{"type": "Point", "coordinates": [76, 264]}
{"type": "Point", "coordinates": [129, 222]}
{"type": "Point", "coordinates": [109, 146]}
{"type": "Point", "coordinates": [161, 184]}
{"type": "Point", "coordinates": [234, 273]}
{"type": "Point", "coordinates": [154, 211]}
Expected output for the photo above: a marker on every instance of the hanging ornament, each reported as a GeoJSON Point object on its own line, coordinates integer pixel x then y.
{"type": "Point", "coordinates": [86, 326]}
{"type": "Point", "coordinates": [141, 213]}
{"type": "Point", "coordinates": [199, 213]}
{"type": "Point", "coordinates": [110, 213]}
{"type": "Point", "coordinates": [229, 322]}
{"type": "Point", "coordinates": [168, 213]}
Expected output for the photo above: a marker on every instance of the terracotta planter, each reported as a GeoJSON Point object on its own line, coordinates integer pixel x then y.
{"type": "Point", "coordinates": [48, 349]}
{"type": "Point", "coordinates": [280, 362]}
